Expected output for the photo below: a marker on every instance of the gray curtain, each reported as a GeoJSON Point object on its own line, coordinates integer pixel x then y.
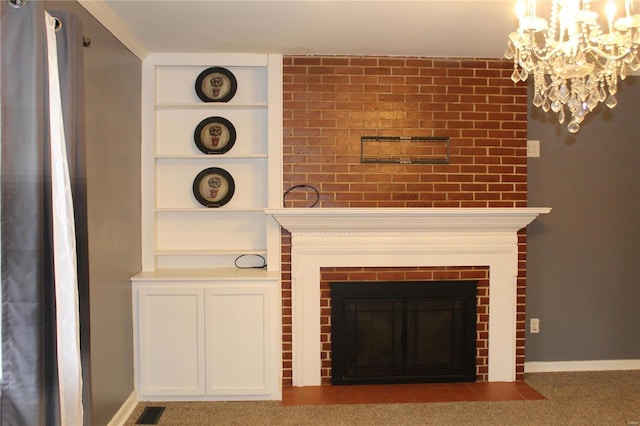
{"type": "Point", "coordinates": [29, 364]}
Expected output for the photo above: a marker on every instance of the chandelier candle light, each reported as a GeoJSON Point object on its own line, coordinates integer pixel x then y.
{"type": "Point", "coordinates": [574, 62]}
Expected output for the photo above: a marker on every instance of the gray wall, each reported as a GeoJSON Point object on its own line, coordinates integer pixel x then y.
{"type": "Point", "coordinates": [112, 97]}
{"type": "Point", "coordinates": [583, 259]}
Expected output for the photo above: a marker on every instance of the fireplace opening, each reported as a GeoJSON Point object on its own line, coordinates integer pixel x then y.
{"type": "Point", "coordinates": [403, 332]}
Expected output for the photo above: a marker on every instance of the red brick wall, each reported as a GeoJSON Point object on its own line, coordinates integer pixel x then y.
{"type": "Point", "coordinates": [331, 101]}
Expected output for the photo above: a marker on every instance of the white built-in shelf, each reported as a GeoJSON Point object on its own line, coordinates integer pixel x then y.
{"type": "Point", "coordinates": [204, 274]}
{"type": "Point", "coordinates": [208, 210]}
{"type": "Point", "coordinates": [208, 252]}
{"type": "Point", "coordinates": [209, 157]}
{"type": "Point", "coordinates": [211, 105]}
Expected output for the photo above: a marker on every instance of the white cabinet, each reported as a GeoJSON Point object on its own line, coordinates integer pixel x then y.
{"type": "Point", "coordinates": [237, 346]}
{"type": "Point", "coordinates": [171, 336]}
{"type": "Point", "coordinates": [207, 337]}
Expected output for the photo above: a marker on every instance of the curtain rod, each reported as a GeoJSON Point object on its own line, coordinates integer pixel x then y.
{"type": "Point", "coordinates": [86, 41]}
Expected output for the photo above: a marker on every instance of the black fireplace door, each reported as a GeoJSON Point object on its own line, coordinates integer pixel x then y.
{"type": "Point", "coordinates": [403, 332]}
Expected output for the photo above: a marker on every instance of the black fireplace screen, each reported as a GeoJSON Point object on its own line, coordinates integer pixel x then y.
{"type": "Point", "coordinates": [403, 332]}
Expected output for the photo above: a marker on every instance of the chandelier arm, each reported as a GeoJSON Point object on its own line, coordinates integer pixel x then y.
{"type": "Point", "coordinates": [546, 57]}
{"type": "Point", "coordinates": [604, 55]}
{"type": "Point", "coordinates": [594, 51]}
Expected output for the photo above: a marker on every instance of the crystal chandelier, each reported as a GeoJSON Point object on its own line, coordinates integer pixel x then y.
{"type": "Point", "coordinates": [573, 61]}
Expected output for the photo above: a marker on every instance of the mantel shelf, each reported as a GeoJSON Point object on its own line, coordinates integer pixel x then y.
{"type": "Point", "coordinates": [409, 220]}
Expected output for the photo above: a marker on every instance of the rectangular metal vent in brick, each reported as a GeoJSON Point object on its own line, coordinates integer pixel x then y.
{"type": "Point", "coordinates": [404, 149]}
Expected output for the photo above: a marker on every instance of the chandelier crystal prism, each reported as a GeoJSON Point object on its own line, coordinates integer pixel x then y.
{"type": "Point", "coordinates": [574, 62]}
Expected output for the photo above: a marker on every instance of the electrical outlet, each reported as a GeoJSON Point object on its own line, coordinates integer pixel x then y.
{"type": "Point", "coordinates": [534, 325]}
{"type": "Point", "coordinates": [533, 148]}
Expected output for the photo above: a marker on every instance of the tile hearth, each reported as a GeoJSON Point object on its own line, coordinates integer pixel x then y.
{"type": "Point", "coordinates": [409, 393]}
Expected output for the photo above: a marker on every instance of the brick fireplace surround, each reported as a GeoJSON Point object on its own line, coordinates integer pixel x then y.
{"type": "Point", "coordinates": [331, 101]}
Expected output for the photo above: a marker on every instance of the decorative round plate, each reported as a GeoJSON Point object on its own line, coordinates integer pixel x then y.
{"type": "Point", "coordinates": [213, 187]}
{"type": "Point", "coordinates": [216, 84]}
{"type": "Point", "coordinates": [215, 135]}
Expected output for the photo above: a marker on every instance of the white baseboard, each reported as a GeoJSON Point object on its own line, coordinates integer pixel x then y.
{"type": "Point", "coordinates": [125, 410]}
{"type": "Point", "coordinates": [596, 365]}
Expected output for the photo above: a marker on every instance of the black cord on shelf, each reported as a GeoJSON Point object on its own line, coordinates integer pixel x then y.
{"type": "Point", "coordinates": [284, 196]}
{"type": "Point", "coordinates": [264, 262]}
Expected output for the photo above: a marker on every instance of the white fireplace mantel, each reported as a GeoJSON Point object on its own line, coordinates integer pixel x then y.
{"type": "Point", "coordinates": [394, 237]}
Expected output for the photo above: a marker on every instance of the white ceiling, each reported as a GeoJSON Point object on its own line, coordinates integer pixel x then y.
{"type": "Point", "coordinates": [436, 28]}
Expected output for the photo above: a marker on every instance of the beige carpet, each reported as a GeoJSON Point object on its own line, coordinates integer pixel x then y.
{"type": "Point", "coordinates": [579, 398]}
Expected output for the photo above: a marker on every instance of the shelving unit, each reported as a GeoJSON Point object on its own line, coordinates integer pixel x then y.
{"type": "Point", "coordinates": [178, 232]}
{"type": "Point", "coordinates": [182, 239]}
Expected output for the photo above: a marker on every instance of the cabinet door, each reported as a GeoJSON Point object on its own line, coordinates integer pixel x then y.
{"type": "Point", "coordinates": [171, 341]}
{"type": "Point", "coordinates": [239, 348]}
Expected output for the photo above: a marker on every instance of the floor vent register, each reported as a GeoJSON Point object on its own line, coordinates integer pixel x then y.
{"type": "Point", "coordinates": [150, 416]}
